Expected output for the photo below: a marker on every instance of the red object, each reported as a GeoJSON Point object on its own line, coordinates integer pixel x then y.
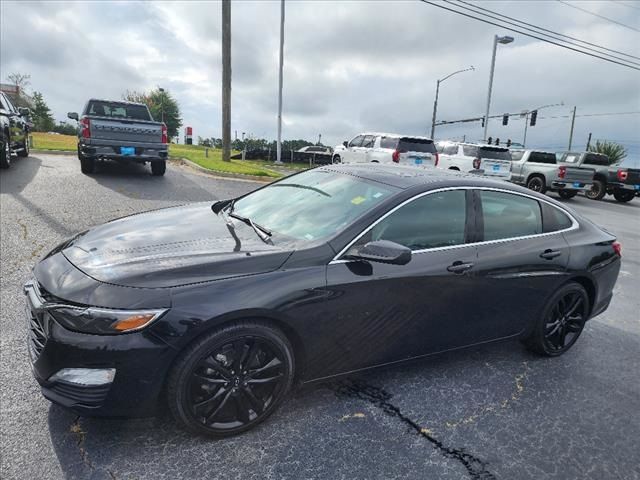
{"type": "Point", "coordinates": [562, 171]}
{"type": "Point", "coordinates": [188, 131]}
{"type": "Point", "coordinates": [395, 156]}
{"type": "Point", "coordinates": [165, 138]}
{"type": "Point", "coordinates": [85, 123]}
{"type": "Point", "coordinates": [622, 175]}
{"type": "Point", "coordinates": [476, 163]}
{"type": "Point", "coordinates": [437, 159]}
{"type": "Point", "coordinates": [617, 247]}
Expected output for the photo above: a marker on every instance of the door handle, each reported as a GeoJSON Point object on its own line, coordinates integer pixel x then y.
{"type": "Point", "coordinates": [459, 267]}
{"type": "Point", "coordinates": [550, 254]}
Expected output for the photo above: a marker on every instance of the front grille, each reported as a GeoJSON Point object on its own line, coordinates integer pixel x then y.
{"type": "Point", "coordinates": [37, 333]}
{"type": "Point", "coordinates": [89, 396]}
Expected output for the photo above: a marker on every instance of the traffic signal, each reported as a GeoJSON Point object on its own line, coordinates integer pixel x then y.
{"type": "Point", "coordinates": [534, 116]}
{"type": "Point", "coordinates": [497, 141]}
{"type": "Point", "coordinates": [505, 119]}
{"type": "Point", "coordinates": [508, 143]}
{"type": "Point", "coordinates": [482, 121]}
{"type": "Point", "coordinates": [489, 140]}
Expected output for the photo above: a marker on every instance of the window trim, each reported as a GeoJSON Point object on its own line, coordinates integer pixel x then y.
{"type": "Point", "coordinates": [574, 223]}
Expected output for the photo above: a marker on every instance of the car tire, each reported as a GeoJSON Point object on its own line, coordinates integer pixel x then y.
{"type": "Point", "coordinates": [336, 159]}
{"type": "Point", "coordinates": [454, 168]}
{"type": "Point", "coordinates": [231, 380]}
{"type": "Point", "coordinates": [623, 196]}
{"type": "Point", "coordinates": [537, 184]}
{"type": "Point", "coordinates": [567, 194]}
{"type": "Point", "coordinates": [5, 153]}
{"type": "Point", "coordinates": [24, 151]}
{"type": "Point", "coordinates": [597, 191]}
{"type": "Point", "coordinates": [158, 168]}
{"type": "Point", "coordinates": [87, 165]}
{"type": "Point", "coordinates": [561, 322]}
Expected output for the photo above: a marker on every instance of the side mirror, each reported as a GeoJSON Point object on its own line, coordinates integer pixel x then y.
{"type": "Point", "coordinates": [73, 116]}
{"type": "Point", "coordinates": [24, 111]}
{"type": "Point", "coordinates": [382, 251]}
{"type": "Point", "coordinates": [346, 144]}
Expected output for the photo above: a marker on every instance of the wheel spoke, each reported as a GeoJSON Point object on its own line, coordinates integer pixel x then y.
{"type": "Point", "coordinates": [274, 363]}
{"type": "Point", "coordinates": [204, 379]}
{"type": "Point", "coordinates": [222, 370]}
{"type": "Point", "coordinates": [554, 330]}
{"type": "Point", "coordinates": [253, 351]}
{"type": "Point", "coordinates": [220, 406]}
{"type": "Point", "coordinates": [240, 349]}
{"type": "Point", "coordinates": [211, 399]}
{"type": "Point", "coordinates": [574, 306]}
{"type": "Point", "coordinates": [575, 325]}
{"type": "Point", "coordinates": [264, 380]}
{"type": "Point", "coordinates": [242, 407]}
{"type": "Point", "coordinates": [257, 405]}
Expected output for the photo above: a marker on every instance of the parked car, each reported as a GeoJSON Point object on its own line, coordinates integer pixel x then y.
{"type": "Point", "coordinates": [540, 171]}
{"type": "Point", "coordinates": [388, 148]}
{"type": "Point", "coordinates": [14, 131]}
{"type": "Point", "coordinates": [623, 183]}
{"type": "Point", "coordinates": [216, 309]}
{"type": "Point", "coordinates": [123, 131]}
{"type": "Point", "coordinates": [597, 161]}
{"type": "Point", "coordinates": [316, 149]}
{"type": "Point", "coordinates": [489, 160]}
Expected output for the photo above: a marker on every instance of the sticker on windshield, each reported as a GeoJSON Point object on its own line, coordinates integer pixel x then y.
{"type": "Point", "coordinates": [377, 195]}
{"type": "Point", "coordinates": [358, 200]}
{"type": "Point", "coordinates": [308, 236]}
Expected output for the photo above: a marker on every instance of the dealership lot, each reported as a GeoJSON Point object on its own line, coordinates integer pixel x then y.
{"type": "Point", "coordinates": [490, 412]}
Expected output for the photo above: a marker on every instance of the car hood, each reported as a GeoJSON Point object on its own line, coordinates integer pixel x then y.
{"type": "Point", "coordinates": [171, 247]}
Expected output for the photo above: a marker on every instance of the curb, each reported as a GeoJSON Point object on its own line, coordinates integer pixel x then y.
{"type": "Point", "coordinates": [216, 173]}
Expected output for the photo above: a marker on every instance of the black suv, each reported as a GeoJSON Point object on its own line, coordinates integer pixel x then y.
{"type": "Point", "coordinates": [14, 131]}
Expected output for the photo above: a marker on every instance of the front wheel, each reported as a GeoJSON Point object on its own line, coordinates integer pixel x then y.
{"type": "Point", "coordinates": [561, 323]}
{"type": "Point", "coordinates": [623, 195]}
{"type": "Point", "coordinates": [336, 159]}
{"type": "Point", "coordinates": [158, 168]}
{"type": "Point", "coordinates": [567, 194]}
{"type": "Point", "coordinates": [231, 380]}
{"type": "Point", "coordinates": [537, 184]}
{"type": "Point", "coordinates": [597, 191]}
{"type": "Point", "coordinates": [24, 151]}
{"type": "Point", "coordinates": [5, 153]}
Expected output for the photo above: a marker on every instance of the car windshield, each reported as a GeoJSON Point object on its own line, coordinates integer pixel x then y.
{"type": "Point", "coordinates": [312, 205]}
{"type": "Point", "coordinates": [118, 110]}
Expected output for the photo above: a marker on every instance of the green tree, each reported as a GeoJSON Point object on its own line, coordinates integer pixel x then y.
{"type": "Point", "coordinates": [613, 150]}
{"type": "Point", "coordinates": [41, 114]}
{"type": "Point", "coordinates": [162, 105]}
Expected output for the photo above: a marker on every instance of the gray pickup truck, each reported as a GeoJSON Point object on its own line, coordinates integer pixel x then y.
{"type": "Point", "coordinates": [540, 171]}
{"type": "Point", "coordinates": [122, 131]}
{"type": "Point", "coordinates": [606, 179]}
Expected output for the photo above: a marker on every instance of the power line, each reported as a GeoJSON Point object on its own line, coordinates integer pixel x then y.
{"type": "Point", "coordinates": [550, 31]}
{"type": "Point", "coordinates": [530, 35]}
{"type": "Point", "coordinates": [598, 15]}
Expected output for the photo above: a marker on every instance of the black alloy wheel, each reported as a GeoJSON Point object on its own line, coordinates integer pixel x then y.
{"type": "Point", "coordinates": [231, 380]}
{"type": "Point", "coordinates": [562, 322]}
{"type": "Point", "coordinates": [623, 196]}
{"type": "Point", "coordinates": [5, 154]}
{"type": "Point", "coordinates": [567, 194]}
{"type": "Point", "coordinates": [597, 190]}
{"type": "Point", "coordinates": [24, 152]}
{"type": "Point", "coordinates": [537, 184]}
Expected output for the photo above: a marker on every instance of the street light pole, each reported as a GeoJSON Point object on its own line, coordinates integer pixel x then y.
{"type": "Point", "coordinates": [435, 102]}
{"type": "Point", "coordinates": [279, 145]}
{"type": "Point", "coordinates": [496, 39]}
{"type": "Point", "coordinates": [526, 119]}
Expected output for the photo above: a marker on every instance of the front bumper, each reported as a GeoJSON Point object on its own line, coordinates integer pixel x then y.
{"type": "Point", "coordinates": [140, 359]}
{"type": "Point", "coordinates": [577, 186]}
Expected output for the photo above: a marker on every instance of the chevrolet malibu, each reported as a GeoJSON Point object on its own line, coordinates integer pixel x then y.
{"type": "Point", "coordinates": [218, 309]}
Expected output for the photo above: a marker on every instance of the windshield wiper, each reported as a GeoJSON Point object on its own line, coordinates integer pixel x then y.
{"type": "Point", "coordinates": [305, 187]}
{"type": "Point", "coordinates": [261, 231]}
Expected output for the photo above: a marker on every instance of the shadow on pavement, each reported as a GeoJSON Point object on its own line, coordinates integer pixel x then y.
{"type": "Point", "coordinates": [19, 174]}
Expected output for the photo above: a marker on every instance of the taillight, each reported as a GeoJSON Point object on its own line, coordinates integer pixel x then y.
{"type": "Point", "coordinates": [165, 138]}
{"type": "Point", "coordinates": [395, 156]}
{"type": "Point", "coordinates": [617, 248]}
{"type": "Point", "coordinates": [562, 172]}
{"type": "Point", "coordinates": [622, 175]}
{"type": "Point", "coordinates": [85, 124]}
{"type": "Point", "coordinates": [437, 159]}
{"type": "Point", "coordinates": [476, 163]}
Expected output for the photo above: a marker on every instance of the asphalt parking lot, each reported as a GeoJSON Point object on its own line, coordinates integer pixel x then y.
{"type": "Point", "coordinates": [495, 411]}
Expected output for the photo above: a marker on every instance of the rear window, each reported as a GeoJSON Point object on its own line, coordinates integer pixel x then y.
{"type": "Point", "coordinates": [416, 145]}
{"type": "Point", "coordinates": [542, 157]}
{"type": "Point", "coordinates": [495, 153]}
{"type": "Point", "coordinates": [571, 158]}
{"type": "Point", "coordinates": [118, 110]}
{"type": "Point", "coordinates": [593, 159]}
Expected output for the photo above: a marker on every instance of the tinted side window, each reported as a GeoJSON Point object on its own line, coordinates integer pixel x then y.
{"type": "Point", "coordinates": [507, 215]}
{"type": "Point", "coordinates": [451, 150]}
{"type": "Point", "coordinates": [368, 141]}
{"type": "Point", "coordinates": [389, 142]}
{"type": "Point", "coordinates": [434, 220]}
{"type": "Point", "coordinates": [356, 142]}
{"type": "Point", "coordinates": [470, 151]}
{"type": "Point", "coordinates": [495, 153]}
{"type": "Point", "coordinates": [554, 219]}
{"type": "Point", "coordinates": [517, 155]}
{"type": "Point", "coordinates": [542, 157]}
{"type": "Point", "coordinates": [591, 159]}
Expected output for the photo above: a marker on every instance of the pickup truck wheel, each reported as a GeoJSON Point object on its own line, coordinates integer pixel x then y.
{"type": "Point", "coordinates": [158, 168]}
{"type": "Point", "coordinates": [567, 194]}
{"type": "Point", "coordinates": [5, 153]}
{"type": "Point", "coordinates": [336, 159]}
{"type": "Point", "coordinates": [537, 184]}
{"type": "Point", "coordinates": [24, 151]}
{"type": "Point", "coordinates": [623, 195]}
{"type": "Point", "coordinates": [598, 190]}
{"type": "Point", "coordinates": [87, 165]}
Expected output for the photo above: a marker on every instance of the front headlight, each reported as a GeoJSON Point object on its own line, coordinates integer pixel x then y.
{"type": "Point", "coordinates": [103, 321]}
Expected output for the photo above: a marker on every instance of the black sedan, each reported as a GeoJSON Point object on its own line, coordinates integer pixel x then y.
{"type": "Point", "coordinates": [218, 309]}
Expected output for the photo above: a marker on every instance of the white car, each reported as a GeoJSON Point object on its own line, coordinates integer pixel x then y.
{"type": "Point", "coordinates": [388, 148]}
{"type": "Point", "coordinates": [489, 160]}
{"type": "Point", "coordinates": [316, 149]}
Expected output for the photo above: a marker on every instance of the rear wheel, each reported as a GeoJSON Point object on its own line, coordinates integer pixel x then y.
{"type": "Point", "coordinates": [231, 380]}
{"type": "Point", "coordinates": [562, 321]}
{"type": "Point", "coordinates": [87, 165]}
{"type": "Point", "coordinates": [623, 195]}
{"type": "Point", "coordinates": [158, 168]}
{"type": "Point", "coordinates": [597, 191]}
{"type": "Point", "coordinates": [567, 194]}
{"type": "Point", "coordinates": [24, 151]}
{"type": "Point", "coordinates": [537, 184]}
{"type": "Point", "coordinates": [454, 168]}
{"type": "Point", "coordinates": [5, 153]}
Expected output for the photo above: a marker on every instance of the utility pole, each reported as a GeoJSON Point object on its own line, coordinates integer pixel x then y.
{"type": "Point", "coordinates": [279, 145]}
{"type": "Point", "coordinates": [319, 139]}
{"type": "Point", "coordinates": [573, 121]}
{"type": "Point", "coordinates": [588, 142]}
{"type": "Point", "coordinates": [226, 80]}
{"type": "Point", "coordinates": [496, 40]}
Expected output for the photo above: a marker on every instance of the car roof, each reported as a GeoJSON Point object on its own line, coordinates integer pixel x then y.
{"type": "Point", "coordinates": [394, 135]}
{"type": "Point", "coordinates": [124, 102]}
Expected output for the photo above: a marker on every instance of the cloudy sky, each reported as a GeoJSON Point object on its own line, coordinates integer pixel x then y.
{"type": "Point", "coordinates": [350, 66]}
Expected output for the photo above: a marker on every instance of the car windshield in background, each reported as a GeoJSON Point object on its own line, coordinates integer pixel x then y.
{"type": "Point", "coordinates": [312, 205]}
{"type": "Point", "coordinates": [118, 110]}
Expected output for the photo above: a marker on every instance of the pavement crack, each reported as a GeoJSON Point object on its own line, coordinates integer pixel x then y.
{"type": "Point", "coordinates": [81, 435]}
{"type": "Point", "coordinates": [476, 468]}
